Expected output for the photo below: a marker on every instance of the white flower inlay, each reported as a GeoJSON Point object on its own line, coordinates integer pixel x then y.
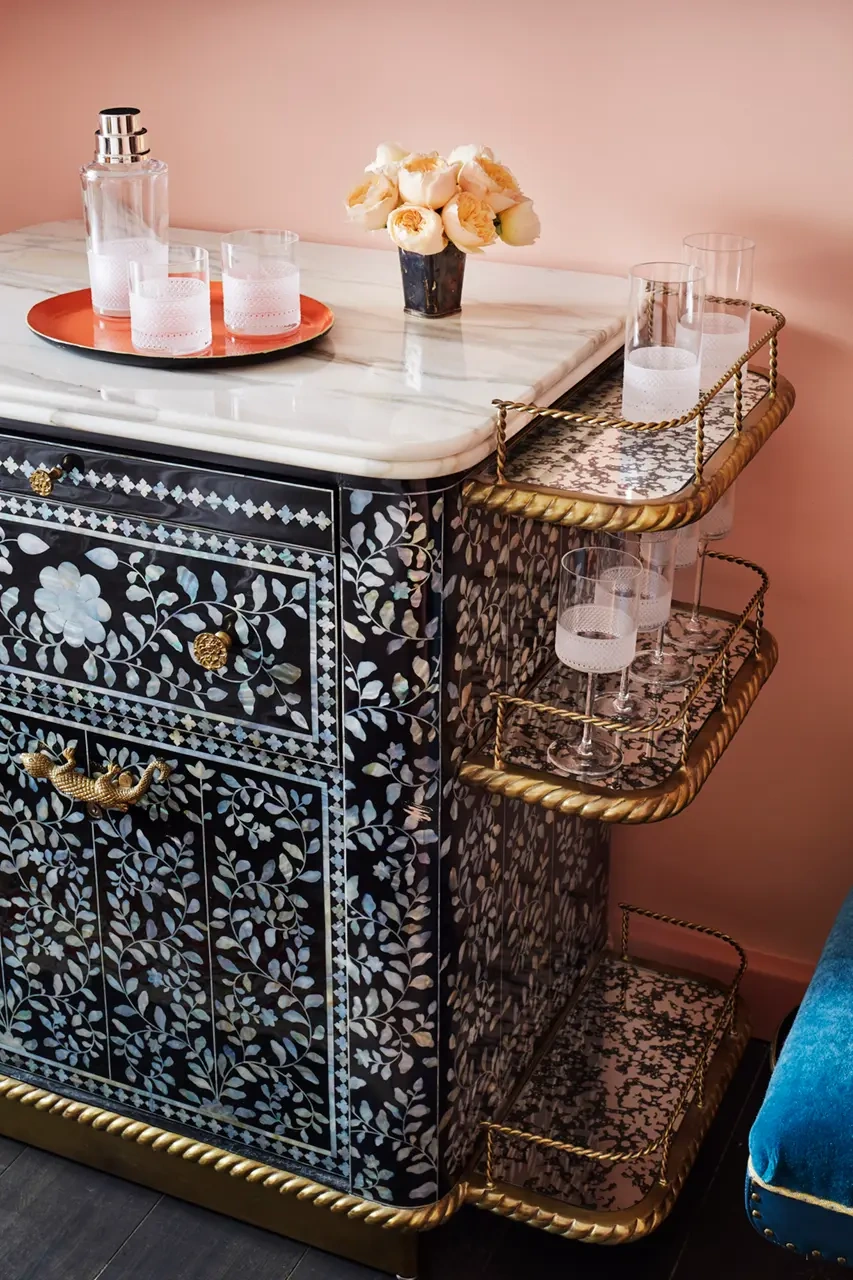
{"type": "Point", "coordinates": [72, 605]}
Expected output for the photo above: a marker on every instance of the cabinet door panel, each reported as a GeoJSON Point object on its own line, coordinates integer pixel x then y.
{"type": "Point", "coordinates": [52, 1013]}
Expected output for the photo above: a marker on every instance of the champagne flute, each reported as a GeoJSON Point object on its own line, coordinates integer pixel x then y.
{"type": "Point", "coordinates": [702, 635]}
{"type": "Point", "coordinates": [596, 632]}
{"type": "Point", "coordinates": [657, 666]}
{"type": "Point", "coordinates": [656, 553]}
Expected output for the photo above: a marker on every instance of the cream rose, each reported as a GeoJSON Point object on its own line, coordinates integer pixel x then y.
{"type": "Point", "coordinates": [519, 224]}
{"type": "Point", "coordinates": [372, 200]}
{"type": "Point", "coordinates": [490, 181]}
{"type": "Point", "coordinates": [469, 222]}
{"type": "Point", "coordinates": [426, 180]}
{"type": "Point", "coordinates": [416, 229]}
{"type": "Point", "coordinates": [461, 155]}
{"type": "Point", "coordinates": [388, 157]}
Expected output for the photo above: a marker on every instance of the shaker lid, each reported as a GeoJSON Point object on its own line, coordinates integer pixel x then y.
{"type": "Point", "coordinates": [121, 137]}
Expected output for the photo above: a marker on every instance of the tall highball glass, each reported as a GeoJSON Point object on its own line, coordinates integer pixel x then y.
{"type": "Point", "coordinates": [727, 262]}
{"type": "Point", "coordinates": [663, 335]}
{"type": "Point", "coordinates": [597, 616]}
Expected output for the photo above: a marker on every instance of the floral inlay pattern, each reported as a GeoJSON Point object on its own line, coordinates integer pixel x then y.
{"type": "Point", "coordinates": [125, 627]}
{"type": "Point", "coordinates": [173, 966]}
{"type": "Point", "coordinates": [72, 605]}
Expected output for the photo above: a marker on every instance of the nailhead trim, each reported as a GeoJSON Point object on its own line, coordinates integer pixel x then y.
{"type": "Point", "coordinates": [768, 1231]}
{"type": "Point", "coordinates": [756, 1214]}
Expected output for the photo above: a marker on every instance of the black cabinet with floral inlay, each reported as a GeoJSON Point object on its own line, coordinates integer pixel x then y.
{"type": "Point", "coordinates": [310, 952]}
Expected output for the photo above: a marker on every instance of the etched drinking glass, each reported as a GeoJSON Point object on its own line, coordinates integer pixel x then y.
{"type": "Point", "coordinates": [659, 666]}
{"type": "Point", "coordinates": [170, 302]}
{"type": "Point", "coordinates": [260, 283]}
{"type": "Point", "coordinates": [656, 553]}
{"type": "Point", "coordinates": [663, 334]}
{"type": "Point", "coordinates": [596, 632]}
{"type": "Point", "coordinates": [702, 635]}
{"type": "Point", "coordinates": [727, 263]}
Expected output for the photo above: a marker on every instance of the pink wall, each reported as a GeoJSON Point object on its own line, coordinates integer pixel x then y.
{"type": "Point", "coordinates": [630, 124]}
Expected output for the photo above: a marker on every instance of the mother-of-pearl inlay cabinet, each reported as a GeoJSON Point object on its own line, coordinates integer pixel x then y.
{"type": "Point", "coordinates": [294, 977]}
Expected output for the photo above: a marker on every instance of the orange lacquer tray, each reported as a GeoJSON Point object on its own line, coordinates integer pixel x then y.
{"type": "Point", "coordinates": [68, 320]}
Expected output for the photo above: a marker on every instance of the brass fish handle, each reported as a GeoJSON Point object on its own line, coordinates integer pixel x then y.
{"type": "Point", "coordinates": [113, 789]}
{"type": "Point", "coordinates": [43, 479]}
{"type": "Point", "coordinates": [211, 648]}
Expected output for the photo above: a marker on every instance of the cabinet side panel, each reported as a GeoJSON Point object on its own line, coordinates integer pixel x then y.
{"type": "Point", "coordinates": [525, 890]}
{"type": "Point", "coordinates": [391, 593]}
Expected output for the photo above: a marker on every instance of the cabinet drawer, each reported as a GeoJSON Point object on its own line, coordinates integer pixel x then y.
{"type": "Point", "coordinates": [103, 613]}
{"type": "Point", "coordinates": [182, 957]}
{"type": "Point", "coordinates": [121, 484]}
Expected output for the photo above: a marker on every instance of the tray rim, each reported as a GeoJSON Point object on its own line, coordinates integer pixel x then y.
{"type": "Point", "coordinates": [651, 804]}
{"type": "Point", "coordinates": [615, 1227]}
{"type": "Point", "coordinates": [152, 361]}
{"type": "Point", "coordinates": [599, 512]}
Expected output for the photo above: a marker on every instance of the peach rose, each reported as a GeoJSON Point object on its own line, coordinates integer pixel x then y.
{"type": "Point", "coordinates": [469, 222]}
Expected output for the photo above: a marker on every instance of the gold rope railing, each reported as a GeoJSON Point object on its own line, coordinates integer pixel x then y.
{"type": "Point", "coordinates": [720, 662]}
{"type": "Point", "coordinates": [697, 412]}
{"type": "Point", "coordinates": [696, 1078]}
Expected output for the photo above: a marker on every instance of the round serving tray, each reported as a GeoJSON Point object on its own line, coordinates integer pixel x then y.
{"type": "Point", "coordinates": [67, 320]}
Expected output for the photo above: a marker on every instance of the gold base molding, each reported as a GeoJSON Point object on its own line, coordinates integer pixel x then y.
{"type": "Point", "coordinates": [595, 512]}
{"type": "Point", "coordinates": [652, 804]}
{"type": "Point", "coordinates": [612, 1228]}
{"type": "Point", "coordinates": [378, 1235]}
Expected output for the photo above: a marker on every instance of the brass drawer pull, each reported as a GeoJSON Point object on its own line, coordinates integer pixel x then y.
{"type": "Point", "coordinates": [211, 649]}
{"type": "Point", "coordinates": [42, 480]}
{"type": "Point", "coordinates": [111, 790]}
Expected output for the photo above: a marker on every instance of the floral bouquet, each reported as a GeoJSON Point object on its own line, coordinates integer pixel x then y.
{"type": "Point", "coordinates": [432, 206]}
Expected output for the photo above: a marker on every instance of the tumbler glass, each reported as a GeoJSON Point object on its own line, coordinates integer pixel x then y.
{"type": "Point", "coordinates": [727, 262]}
{"type": "Point", "coordinates": [656, 553]}
{"type": "Point", "coordinates": [663, 334]}
{"type": "Point", "coordinates": [170, 302]}
{"type": "Point", "coordinates": [260, 283]}
{"type": "Point", "coordinates": [596, 632]}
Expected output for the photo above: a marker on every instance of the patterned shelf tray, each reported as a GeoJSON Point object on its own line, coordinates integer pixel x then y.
{"type": "Point", "coordinates": [601, 1134]}
{"type": "Point", "coordinates": [580, 463]}
{"type": "Point", "coordinates": [665, 765]}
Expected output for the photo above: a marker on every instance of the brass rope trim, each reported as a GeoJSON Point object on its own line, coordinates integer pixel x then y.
{"type": "Point", "coordinates": [655, 803]}
{"type": "Point", "coordinates": [254, 1171]}
{"type": "Point", "coordinates": [614, 1228]}
{"type": "Point", "coordinates": [527, 501]}
{"type": "Point", "coordinates": [667, 424]}
{"type": "Point", "coordinates": [720, 663]}
{"type": "Point", "coordinates": [695, 1079]}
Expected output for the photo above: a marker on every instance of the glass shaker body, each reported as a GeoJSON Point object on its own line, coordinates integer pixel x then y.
{"type": "Point", "coordinates": [126, 209]}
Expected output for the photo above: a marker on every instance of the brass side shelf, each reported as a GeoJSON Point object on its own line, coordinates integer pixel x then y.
{"type": "Point", "coordinates": [667, 760]}
{"type": "Point", "coordinates": [600, 1136]}
{"type": "Point", "coordinates": [579, 463]}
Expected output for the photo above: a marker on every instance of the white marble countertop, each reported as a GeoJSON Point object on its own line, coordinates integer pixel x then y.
{"type": "Point", "coordinates": [383, 395]}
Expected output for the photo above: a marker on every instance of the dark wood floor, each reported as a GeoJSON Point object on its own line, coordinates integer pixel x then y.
{"type": "Point", "coordinates": [61, 1221]}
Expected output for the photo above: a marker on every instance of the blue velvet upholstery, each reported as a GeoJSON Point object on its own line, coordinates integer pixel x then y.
{"type": "Point", "coordinates": [802, 1139]}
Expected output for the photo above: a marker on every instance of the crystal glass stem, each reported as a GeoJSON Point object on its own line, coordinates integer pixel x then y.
{"type": "Point", "coordinates": [585, 744]}
{"type": "Point", "coordinates": [694, 623]}
{"type": "Point", "coordinates": [622, 701]}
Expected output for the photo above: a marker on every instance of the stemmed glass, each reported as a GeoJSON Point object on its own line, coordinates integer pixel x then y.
{"type": "Point", "coordinates": [657, 666]}
{"type": "Point", "coordinates": [701, 635]}
{"type": "Point", "coordinates": [596, 632]}
{"type": "Point", "coordinates": [655, 552]}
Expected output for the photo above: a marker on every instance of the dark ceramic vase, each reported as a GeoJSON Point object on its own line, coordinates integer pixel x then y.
{"type": "Point", "coordinates": [432, 282]}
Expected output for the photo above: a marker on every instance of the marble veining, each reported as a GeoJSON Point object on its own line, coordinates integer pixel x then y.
{"type": "Point", "coordinates": [383, 395]}
{"type": "Point", "coordinates": [630, 465]}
